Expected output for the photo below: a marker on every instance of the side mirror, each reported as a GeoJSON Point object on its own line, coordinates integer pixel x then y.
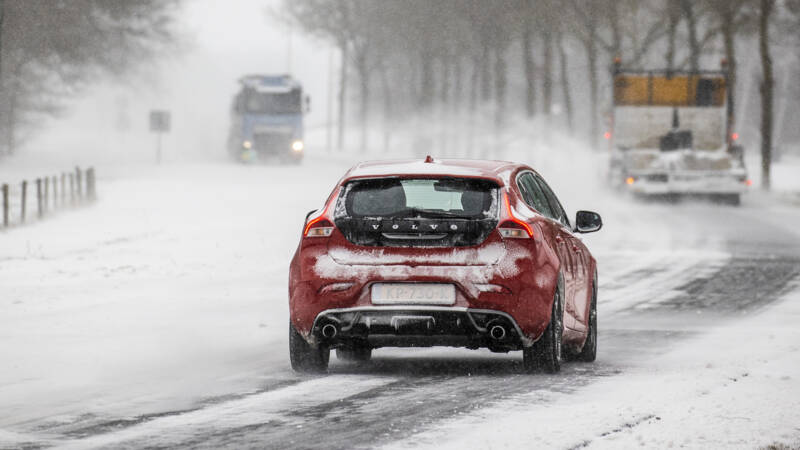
{"type": "Point", "coordinates": [309, 215]}
{"type": "Point", "coordinates": [587, 222]}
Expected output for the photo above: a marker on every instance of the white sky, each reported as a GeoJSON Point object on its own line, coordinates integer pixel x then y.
{"type": "Point", "coordinates": [225, 39]}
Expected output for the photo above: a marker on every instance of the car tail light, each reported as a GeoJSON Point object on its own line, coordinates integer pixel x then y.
{"type": "Point", "coordinates": [509, 229]}
{"type": "Point", "coordinates": [512, 227]}
{"type": "Point", "coordinates": [321, 226]}
{"type": "Point", "coordinates": [318, 227]}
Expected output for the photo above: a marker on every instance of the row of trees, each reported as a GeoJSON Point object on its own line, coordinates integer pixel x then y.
{"type": "Point", "coordinates": [51, 50]}
{"type": "Point", "coordinates": [409, 57]}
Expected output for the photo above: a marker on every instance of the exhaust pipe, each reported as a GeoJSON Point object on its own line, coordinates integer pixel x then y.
{"type": "Point", "coordinates": [329, 331]}
{"type": "Point", "coordinates": [497, 332]}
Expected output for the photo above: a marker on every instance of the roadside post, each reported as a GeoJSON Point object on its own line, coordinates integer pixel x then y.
{"type": "Point", "coordinates": [159, 124]}
{"type": "Point", "coordinates": [5, 205]}
{"type": "Point", "coordinates": [24, 200]}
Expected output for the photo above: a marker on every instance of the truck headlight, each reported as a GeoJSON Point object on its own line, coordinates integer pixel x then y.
{"type": "Point", "coordinates": [247, 144]}
{"type": "Point", "coordinates": [297, 146]}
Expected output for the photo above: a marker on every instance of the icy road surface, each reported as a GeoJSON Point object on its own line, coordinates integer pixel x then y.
{"type": "Point", "coordinates": [158, 318]}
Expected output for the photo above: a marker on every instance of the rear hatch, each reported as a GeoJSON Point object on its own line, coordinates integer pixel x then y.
{"type": "Point", "coordinates": [417, 221]}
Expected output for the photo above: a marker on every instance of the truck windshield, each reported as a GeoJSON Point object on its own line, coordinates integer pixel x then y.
{"type": "Point", "coordinates": [253, 102]}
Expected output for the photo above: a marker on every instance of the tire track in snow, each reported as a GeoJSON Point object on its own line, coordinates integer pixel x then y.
{"type": "Point", "coordinates": [249, 411]}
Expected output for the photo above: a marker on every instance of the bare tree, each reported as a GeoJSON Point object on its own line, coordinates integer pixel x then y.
{"type": "Point", "coordinates": [51, 51]}
{"type": "Point", "coordinates": [764, 12]}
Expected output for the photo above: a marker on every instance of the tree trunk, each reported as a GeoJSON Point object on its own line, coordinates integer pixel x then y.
{"type": "Point", "coordinates": [342, 96]}
{"type": "Point", "coordinates": [547, 72]}
{"type": "Point", "coordinates": [500, 87]}
{"type": "Point", "coordinates": [2, 78]}
{"type": "Point", "coordinates": [458, 85]}
{"type": "Point", "coordinates": [485, 66]}
{"type": "Point", "coordinates": [527, 59]}
{"type": "Point", "coordinates": [363, 77]}
{"type": "Point", "coordinates": [766, 92]}
{"type": "Point", "coordinates": [474, 86]}
{"type": "Point", "coordinates": [694, 44]}
{"type": "Point", "coordinates": [426, 91]}
{"type": "Point", "coordinates": [673, 13]}
{"type": "Point", "coordinates": [591, 56]}
{"type": "Point", "coordinates": [565, 81]}
{"type": "Point", "coordinates": [387, 108]}
{"type": "Point", "coordinates": [730, 56]}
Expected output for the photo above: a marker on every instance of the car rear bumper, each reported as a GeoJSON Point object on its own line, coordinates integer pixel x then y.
{"type": "Point", "coordinates": [418, 326]}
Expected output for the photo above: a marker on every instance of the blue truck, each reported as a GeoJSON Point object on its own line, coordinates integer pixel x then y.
{"type": "Point", "coordinates": [267, 120]}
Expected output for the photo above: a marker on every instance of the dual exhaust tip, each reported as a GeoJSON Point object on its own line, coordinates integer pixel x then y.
{"type": "Point", "coordinates": [497, 332]}
{"type": "Point", "coordinates": [329, 331]}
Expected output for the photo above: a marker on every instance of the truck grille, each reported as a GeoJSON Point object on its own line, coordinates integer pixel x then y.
{"type": "Point", "coordinates": [272, 143]}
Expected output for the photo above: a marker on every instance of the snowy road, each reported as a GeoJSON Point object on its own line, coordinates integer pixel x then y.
{"type": "Point", "coordinates": [157, 318]}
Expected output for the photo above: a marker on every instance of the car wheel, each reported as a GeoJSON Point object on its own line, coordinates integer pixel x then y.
{"type": "Point", "coordinates": [545, 354]}
{"type": "Point", "coordinates": [358, 354]}
{"type": "Point", "coordinates": [305, 357]}
{"type": "Point", "coordinates": [589, 351]}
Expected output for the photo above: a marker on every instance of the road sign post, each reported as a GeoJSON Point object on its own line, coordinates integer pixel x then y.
{"type": "Point", "coordinates": [159, 124]}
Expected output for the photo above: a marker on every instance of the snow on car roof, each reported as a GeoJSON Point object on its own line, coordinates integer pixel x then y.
{"type": "Point", "coordinates": [499, 171]}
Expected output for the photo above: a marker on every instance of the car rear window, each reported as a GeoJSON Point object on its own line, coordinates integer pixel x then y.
{"type": "Point", "coordinates": [429, 212]}
{"type": "Point", "coordinates": [394, 197]}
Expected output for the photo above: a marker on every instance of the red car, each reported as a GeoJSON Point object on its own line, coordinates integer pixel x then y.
{"type": "Point", "coordinates": [461, 253]}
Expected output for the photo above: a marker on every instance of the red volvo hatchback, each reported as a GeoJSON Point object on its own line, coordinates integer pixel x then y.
{"type": "Point", "coordinates": [462, 253]}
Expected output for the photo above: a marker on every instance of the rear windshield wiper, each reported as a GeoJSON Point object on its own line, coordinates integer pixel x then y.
{"type": "Point", "coordinates": [428, 213]}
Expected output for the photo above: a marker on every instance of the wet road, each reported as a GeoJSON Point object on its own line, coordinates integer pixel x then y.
{"type": "Point", "coordinates": [728, 263]}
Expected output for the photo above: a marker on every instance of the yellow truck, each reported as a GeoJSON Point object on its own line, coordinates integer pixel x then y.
{"type": "Point", "coordinates": [670, 135]}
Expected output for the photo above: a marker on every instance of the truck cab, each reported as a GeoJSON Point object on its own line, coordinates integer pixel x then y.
{"type": "Point", "coordinates": [267, 120]}
{"type": "Point", "coordinates": [671, 136]}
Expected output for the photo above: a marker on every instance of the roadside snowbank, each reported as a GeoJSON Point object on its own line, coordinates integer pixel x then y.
{"type": "Point", "coordinates": [735, 387]}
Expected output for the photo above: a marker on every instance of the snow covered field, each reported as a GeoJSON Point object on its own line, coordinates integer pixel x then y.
{"type": "Point", "coordinates": [158, 316]}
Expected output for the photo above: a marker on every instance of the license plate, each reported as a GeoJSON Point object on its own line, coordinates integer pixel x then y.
{"type": "Point", "coordinates": [413, 293]}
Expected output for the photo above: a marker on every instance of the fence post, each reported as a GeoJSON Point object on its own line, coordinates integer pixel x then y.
{"type": "Point", "coordinates": [78, 182]}
{"type": "Point", "coordinates": [39, 197]}
{"type": "Point", "coordinates": [72, 188]}
{"type": "Point", "coordinates": [46, 197]}
{"type": "Point", "coordinates": [5, 205]}
{"type": "Point", "coordinates": [90, 186]}
{"type": "Point", "coordinates": [24, 198]}
{"type": "Point", "coordinates": [63, 189]}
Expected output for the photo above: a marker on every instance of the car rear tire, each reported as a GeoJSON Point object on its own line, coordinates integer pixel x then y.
{"type": "Point", "coordinates": [304, 357]}
{"type": "Point", "coordinates": [546, 353]}
{"type": "Point", "coordinates": [589, 351]}
{"type": "Point", "coordinates": [357, 355]}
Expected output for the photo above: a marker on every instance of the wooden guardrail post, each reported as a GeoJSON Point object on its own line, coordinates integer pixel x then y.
{"type": "Point", "coordinates": [46, 195]}
{"type": "Point", "coordinates": [90, 184]}
{"type": "Point", "coordinates": [24, 200]}
{"type": "Point", "coordinates": [78, 182]}
{"type": "Point", "coordinates": [39, 197]}
{"type": "Point", "coordinates": [55, 191]}
{"type": "Point", "coordinates": [5, 205]}
{"type": "Point", "coordinates": [72, 188]}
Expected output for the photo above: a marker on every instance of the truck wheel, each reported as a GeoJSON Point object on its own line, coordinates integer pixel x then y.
{"type": "Point", "coordinates": [545, 354]}
{"type": "Point", "coordinates": [358, 354]}
{"type": "Point", "coordinates": [304, 357]}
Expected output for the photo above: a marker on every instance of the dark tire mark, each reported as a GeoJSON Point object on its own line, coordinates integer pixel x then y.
{"type": "Point", "coordinates": [741, 285]}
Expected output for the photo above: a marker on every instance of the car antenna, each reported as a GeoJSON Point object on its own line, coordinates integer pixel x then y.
{"type": "Point", "coordinates": [429, 159]}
